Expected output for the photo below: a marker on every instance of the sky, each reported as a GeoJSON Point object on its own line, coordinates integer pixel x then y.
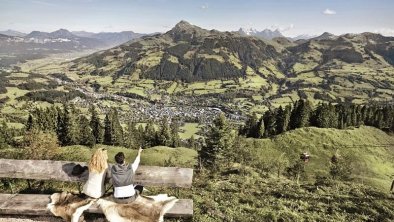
{"type": "Point", "coordinates": [291, 17]}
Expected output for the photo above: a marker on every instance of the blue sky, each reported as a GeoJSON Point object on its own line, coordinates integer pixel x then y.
{"type": "Point", "coordinates": [292, 17]}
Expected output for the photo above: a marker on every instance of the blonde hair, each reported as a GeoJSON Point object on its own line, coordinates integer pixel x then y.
{"type": "Point", "coordinates": [98, 162]}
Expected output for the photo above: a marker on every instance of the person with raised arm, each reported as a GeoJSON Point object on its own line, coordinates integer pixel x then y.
{"type": "Point", "coordinates": [122, 178]}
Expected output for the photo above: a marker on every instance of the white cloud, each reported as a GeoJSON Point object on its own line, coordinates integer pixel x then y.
{"type": "Point", "coordinates": [42, 3]}
{"type": "Point", "coordinates": [204, 7]}
{"type": "Point", "coordinates": [282, 28]}
{"type": "Point", "coordinates": [329, 12]}
{"type": "Point", "coordinates": [385, 31]}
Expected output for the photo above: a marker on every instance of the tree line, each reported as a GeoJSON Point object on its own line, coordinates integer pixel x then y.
{"type": "Point", "coordinates": [302, 114]}
{"type": "Point", "coordinates": [75, 128]}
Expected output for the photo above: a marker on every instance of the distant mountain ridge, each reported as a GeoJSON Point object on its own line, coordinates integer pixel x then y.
{"type": "Point", "coordinates": [266, 33]}
{"type": "Point", "coordinates": [185, 52]}
{"type": "Point", "coordinates": [10, 32]}
{"type": "Point", "coordinates": [38, 44]}
{"type": "Point", "coordinates": [327, 67]}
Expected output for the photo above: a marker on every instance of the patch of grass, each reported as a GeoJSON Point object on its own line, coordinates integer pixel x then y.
{"type": "Point", "coordinates": [371, 151]}
{"type": "Point", "coordinates": [189, 130]}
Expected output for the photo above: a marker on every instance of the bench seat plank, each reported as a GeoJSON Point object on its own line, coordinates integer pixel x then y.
{"type": "Point", "coordinates": [35, 204]}
{"type": "Point", "coordinates": [61, 171]}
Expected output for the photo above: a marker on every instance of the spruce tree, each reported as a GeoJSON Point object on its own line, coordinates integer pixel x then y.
{"type": "Point", "coordinates": [150, 134]}
{"type": "Point", "coordinates": [261, 128]}
{"type": "Point", "coordinates": [270, 123]}
{"type": "Point", "coordinates": [282, 119]}
{"type": "Point", "coordinates": [107, 130]}
{"type": "Point", "coordinates": [164, 134]}
{"type": "Point", "coordinates": [175, 139]}
{"type": "Point", "coordinates": [30, 124]}
{"type": "Point", "coordinates": [70, 126]}
{"type": "Point", "coordinates": [86, 133]}
{"type": "Point", "coordinates": [300, 114]}
{"type": "Point", "coordinates": [60, 127]}
{"type": "Point", "coordinates": [193, 143]}
{"type": "Point", "coordinates": [219, 140]}
{"type": "Point", "coordinates": [251, 126]}
{"type": "Point", "coordinates": [95, 125]}
{"type": "Point", "coordinates": [117, 130]}
{"type": "Point", "coordinates": [131, 135]}
{"type": "Point", "coordinates": [139, 136]}
{"type": "Point", "coordinates": [4, 135]}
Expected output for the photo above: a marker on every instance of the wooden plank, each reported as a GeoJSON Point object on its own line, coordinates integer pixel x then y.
{"type": "Point", "coordinates": [4, 198]}
{"type": "Point", "coordinates": [35, 204]}
{"type": "Point", "coordinates": [26, 204]}
{"type": "Point", "coordinates": [61, 171]}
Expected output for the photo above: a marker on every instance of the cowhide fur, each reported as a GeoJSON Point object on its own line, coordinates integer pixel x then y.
{"type": "Point", "coordinates": [69, 206]}
{"type": "Point", "coordinates": [143, 209]}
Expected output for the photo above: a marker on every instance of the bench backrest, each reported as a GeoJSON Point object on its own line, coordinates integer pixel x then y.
{"type": "Point", "coordinates": [61, 171]}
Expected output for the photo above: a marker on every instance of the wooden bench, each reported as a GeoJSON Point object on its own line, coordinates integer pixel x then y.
{"type": "Point", "coordinates": [35, 204]}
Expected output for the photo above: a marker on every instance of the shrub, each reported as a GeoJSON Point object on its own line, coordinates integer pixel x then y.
{"type": "Point", "coordinates": [40, 145]}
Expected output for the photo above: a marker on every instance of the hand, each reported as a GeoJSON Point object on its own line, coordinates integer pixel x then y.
{"type": "Point", "coordinates": [140, 150]}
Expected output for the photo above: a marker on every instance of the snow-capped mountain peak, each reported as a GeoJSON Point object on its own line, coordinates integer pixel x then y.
{"type": "Point", "coordinates": [266, 33]}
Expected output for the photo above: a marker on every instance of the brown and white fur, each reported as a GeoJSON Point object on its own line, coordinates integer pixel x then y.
{"type": "Point", "coordinates": [143, 209]}
{"type": "Point", "coordinates": [69, 206]}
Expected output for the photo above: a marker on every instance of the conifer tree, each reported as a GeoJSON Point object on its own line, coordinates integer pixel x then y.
{"type": "Point", "coordinates": [300, 114]}
{"type": "Point", "coordinates": [131, 135]}
{"type": "Point", "coordinates": [60, 125]}
{"type": "Point", "coordinates": [117, 130]}
{"type": "Point", "coordinates": [107, 130]}
{"type": "Point", "coordinates": [4, 135]}
{"type": "Point", "coordinates": [86, 133]}
{"type": "Point", "coordinates": [270, 123]}
{"type": "Point", "coordinates": [30, 124]}
{"type": "Point", "coordinates": [95, 125]}
{"type": "Point", "coordinates": [139, 136]}
{"type": "Point", "coordinates": [67, 129]}
{"type": "Point", "coordinates": [324, 116]}
{"type": "Point", "coordinates": [150, 134]}
{"type": "Point", "coordinates": [282, 119]}
{"type": "Point", "coordinates": [164, 134]}
{"type": "Point", "coordinates": [363, 115]}
{"type": "Point", "coordinates": [219, 140]}
{"type": "Point", "coordinates": [392, 126]}
{"type": "Point", "coordinates": [251, 126]}
{"type": "Point", "coordinates": [193, 143]}
{"type": "Point", "coordinates": [286, 121]}
{"type": "Point", "coordinates": [261, 128]}
{"type": "Point", "coordinates": [175, 139]}
{"type": "Point", "coordinates": [70, 126]}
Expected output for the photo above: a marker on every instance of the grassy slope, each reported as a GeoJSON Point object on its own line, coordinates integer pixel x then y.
{"type": "Point", "coordinates": [372, 164]}
{"type": "Point", "coordinates": [240, 192]}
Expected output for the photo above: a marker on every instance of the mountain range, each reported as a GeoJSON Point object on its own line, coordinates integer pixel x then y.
{"type": "Point", "coordinates": [190, 52]}
{"type": "Point", "coordinates": [18, 46]}
{"type": "Point", "coordinates": [265, 34]}
{"type": "Point", "coordinates": [323, 67]}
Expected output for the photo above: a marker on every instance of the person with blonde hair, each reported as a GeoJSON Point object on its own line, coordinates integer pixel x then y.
{"type": "Point", "coordinates": [95, 185]}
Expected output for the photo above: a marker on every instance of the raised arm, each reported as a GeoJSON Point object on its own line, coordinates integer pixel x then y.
{"type": "Point", "coordinates": [137, 160]}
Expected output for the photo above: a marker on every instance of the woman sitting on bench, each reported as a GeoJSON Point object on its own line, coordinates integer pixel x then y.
{"type": "Point", "coordinates": [95, 185]}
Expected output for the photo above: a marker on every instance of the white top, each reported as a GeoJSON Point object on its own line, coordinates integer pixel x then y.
{"type": "Point", "coordinates": [94, 186]}
{"type": "Point", "coordinates": [125, 191]}
{"type": "Point", "coordinates": [136, 162]}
